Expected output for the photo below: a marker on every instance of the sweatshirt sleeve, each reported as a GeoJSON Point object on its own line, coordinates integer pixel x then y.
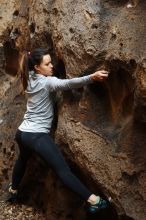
{"type": "Point", "coordinates": [54, 83]}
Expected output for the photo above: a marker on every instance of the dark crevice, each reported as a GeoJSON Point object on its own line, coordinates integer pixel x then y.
{"type": "Point", "coordinates": [32, 27]}
{"type": "Point", "coordinates": [71, 30]}
{"type": "Point", "coordinates": [11, 59]}
{"type": "Point", "coordinates": [59, 69]}
{"type": "Point", "coordinates": [60, 72]}
{"type": "Point", "coordinates": [16, 13]}
{"type": "Point", "coordinates": [124, 217]}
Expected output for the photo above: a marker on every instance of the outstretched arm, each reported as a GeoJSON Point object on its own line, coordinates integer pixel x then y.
{"type": "Point", "coordinates": [54, 84]}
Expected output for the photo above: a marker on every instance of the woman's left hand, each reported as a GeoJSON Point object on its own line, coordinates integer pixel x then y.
{"type": "Point", "coordinates": [100, 75]}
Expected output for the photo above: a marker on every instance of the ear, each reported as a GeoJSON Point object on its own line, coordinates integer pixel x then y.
{"type": "Point", "coordinates": [36, 67]}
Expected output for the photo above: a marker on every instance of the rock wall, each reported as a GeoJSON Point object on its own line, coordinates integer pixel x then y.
{"type": "Point", "coordinates": [101, 127]}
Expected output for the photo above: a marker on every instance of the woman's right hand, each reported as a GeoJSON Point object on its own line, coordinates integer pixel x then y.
{"type": "Point", "coordinates": [99, 75]}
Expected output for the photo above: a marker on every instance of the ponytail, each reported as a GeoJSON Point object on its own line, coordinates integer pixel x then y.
{"type": "Point", "coordinates": [23, 69]}
{"type": "Point", "coordinates": [28, 61]}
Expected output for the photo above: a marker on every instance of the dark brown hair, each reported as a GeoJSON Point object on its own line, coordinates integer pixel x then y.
{"type": "Point", "coordinates": [27, 62]}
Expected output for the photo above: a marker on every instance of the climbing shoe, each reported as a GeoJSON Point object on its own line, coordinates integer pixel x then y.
{"type": "Point", "coordinates": [102, 204]}
{"type": "Point", "coordinates": [12, 195]}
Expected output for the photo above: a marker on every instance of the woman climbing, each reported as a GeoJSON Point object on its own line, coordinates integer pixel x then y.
{"type": "Point", "coordinates": [33, 134]}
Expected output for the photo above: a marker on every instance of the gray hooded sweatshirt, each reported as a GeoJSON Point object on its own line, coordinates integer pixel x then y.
{"type": "Point", "coordinates": [39, 114]}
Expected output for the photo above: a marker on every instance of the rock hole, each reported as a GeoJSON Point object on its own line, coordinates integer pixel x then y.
{"type": "Point", "coordinates": [60, 69]}
{"type": "Point", "coordinates": [11, 58]}
{"type": "Point", "coordinates": [94, 26]}
{"type": "Point", "coordinates": [55, 11]}
{"type": "Point", "coordinates": [113, 37]}
{"type": "Point", "coordinates": [60, 72]}
{"type": "Point", "coordinates": [71, 30]}
{"type": "Point", "coordinates": [16, 13]}
{"type": "Point", "coordinates": [12, 147]}
{"type": "Point", "coordinates": [32, 27]}
{"type": "Point", "coordinates": [4, 150]}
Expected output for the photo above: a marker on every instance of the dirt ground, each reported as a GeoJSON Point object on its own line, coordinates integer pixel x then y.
{"type": "Point", "coordinates": [19, 212]}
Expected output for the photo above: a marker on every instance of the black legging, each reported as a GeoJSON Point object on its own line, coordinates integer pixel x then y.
{"type": "Point", "coordinates": [49, 151]}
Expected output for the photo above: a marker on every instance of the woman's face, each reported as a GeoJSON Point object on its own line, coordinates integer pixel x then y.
{"type": "Point", "coordinates": [45, 68]}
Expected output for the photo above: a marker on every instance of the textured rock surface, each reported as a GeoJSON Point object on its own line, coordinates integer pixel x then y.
{"type": "Point", "coordinates": [100, 127]}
